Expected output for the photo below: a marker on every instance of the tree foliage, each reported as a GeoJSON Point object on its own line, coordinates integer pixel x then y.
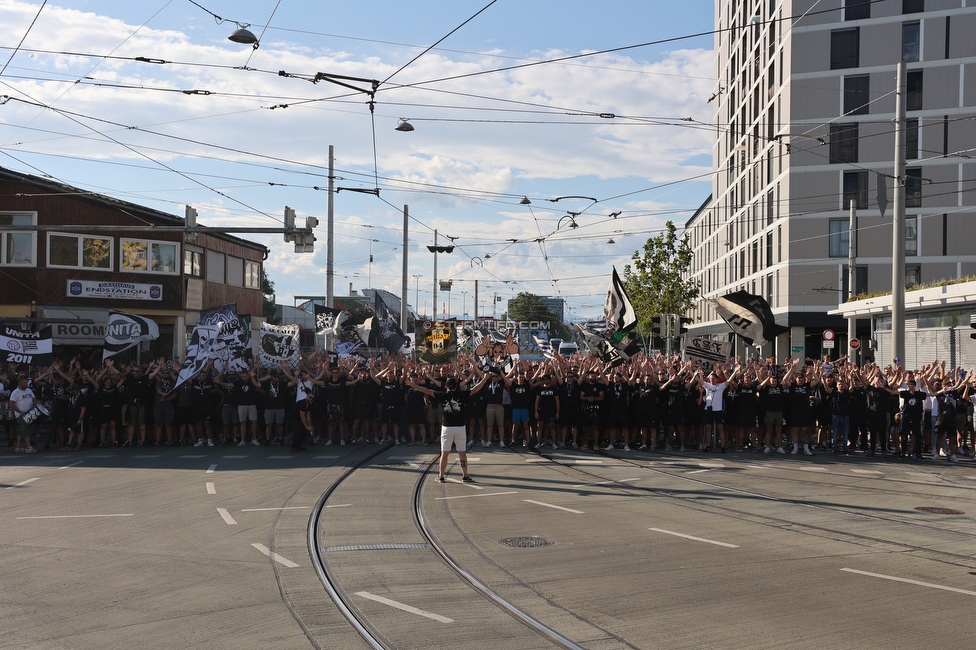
{"type": "Point", "coordinates": [657, 281]}
{"type": "Point", "coordinates": [529, 307]}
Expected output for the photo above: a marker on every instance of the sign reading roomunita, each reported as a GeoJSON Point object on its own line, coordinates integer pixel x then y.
{"type": "Point", "coordinates": [114, 290]}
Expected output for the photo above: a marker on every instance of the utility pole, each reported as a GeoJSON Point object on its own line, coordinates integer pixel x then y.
{"type": "Point", "coordinates": [404, 287]}
{"type": "Point", "coordinates": [898, 225]}
{"type": "Point", "coordinates": [851, 277]}
{"type": "Point", "coordinates": [330, 234]}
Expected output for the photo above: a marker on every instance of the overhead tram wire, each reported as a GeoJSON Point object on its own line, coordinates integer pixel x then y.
{"type": "Point", "coordinates": [24, 37]}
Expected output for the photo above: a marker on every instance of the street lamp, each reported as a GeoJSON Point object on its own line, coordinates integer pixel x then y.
{"type": "Point", "coordinates": [416, 302]}
{"type": "Point", "coordinates": [464, 303]}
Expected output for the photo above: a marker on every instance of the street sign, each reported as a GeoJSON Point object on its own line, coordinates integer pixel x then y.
{"type": "Point", "coordinates": [827, 345]}
{"type": "Point", "coordinates": [854, 344]}
{"type": "Point", "coordinates": [828, 335]}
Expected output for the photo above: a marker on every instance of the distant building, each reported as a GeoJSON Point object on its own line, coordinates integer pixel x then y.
{"type": "Point", "coordinates": [557, 306]}
{"type": "Point", "coordinates": [84, 254]}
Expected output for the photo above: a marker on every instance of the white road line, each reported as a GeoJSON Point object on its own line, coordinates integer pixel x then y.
{"type": "Point", "coordinates": [712, 465]}
{"type": "Point", "coordinates": [193, 456]}
{"type": "Point", "coordinates": [74, 516]}
{"type": "Point", "coordinates": [280, 457]}
{"type": "Point", "coordinates": [588, 462]}
{"type": "Point", "coordinates": [244, 456]}
{"type": "Point", "coordinates": [922, 475]}
{"type": "Point", "coordinates": [763, 467]}
{"type": "Point", "coordinates": [471, 496]}
{"type": "Point", "coordinates": [72, 464]}
{"type": "Point", "coordinates": [624, 480]}
{"type": "Point", "coordinates": [698, 471]}
{"type": "Point", "coordinates": [536, 460]}
{"type": "Point", "coordinates": [549, 505]}
{"type": "Point", "coordinates": [285, 508]}
{"type": "Point", "coordinates": [693, 538]}
{"type": "Point", "coordinates": [340, 505]}
{"type": "Point", "coordinates": [274, 556]}
{"type": "Point", "coordinates": [210, 470]}
{"type": "Point", "coordinates": [22, 483]}
{"type": "Point", "coordinates": [867, 471]}
{"type": "Point", "coordinates": [211, 488]}
{"type": "Point", "coordinates": [326, 457]}
{"type": "Point", "coordinates": [226, 516]}
{"type": "Point", "coordinates": [813, 469]}
{"type": "Point", "coordinates": [405, 608]}
{"type": "Point", "coordinates": [102, 456]}
{"type": "Point", "coordinates": [472, 485]}
{"type": "Point", "coordinates": [147, 456]}
{"type": "Point", "coordinates": [911, 582]}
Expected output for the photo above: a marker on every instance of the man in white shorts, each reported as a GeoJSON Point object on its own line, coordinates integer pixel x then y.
{"type": "Point", "coordinates": [452, 399]}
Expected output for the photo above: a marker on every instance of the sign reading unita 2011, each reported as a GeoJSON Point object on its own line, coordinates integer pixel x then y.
{"type": "Point", "coordinates": [114, 290]}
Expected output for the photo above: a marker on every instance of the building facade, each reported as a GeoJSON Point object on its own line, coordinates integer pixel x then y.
{"type": "Point", "coordinates": [804, 108]}
{"type": "Point", "coordinates": [68, 256]}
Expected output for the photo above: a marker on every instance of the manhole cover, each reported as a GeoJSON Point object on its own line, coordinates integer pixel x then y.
{"type": "Point", "coordinates": [940, 511]}
{"type": "Point", "coordinates": [526, 542]}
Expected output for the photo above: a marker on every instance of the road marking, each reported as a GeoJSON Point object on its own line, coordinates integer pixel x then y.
{"type": "Point", "coordinates": [693, 538]}
{"type": "Point", "coordinates": [470, 496]}
{"type": "Point", "coordinates": [457, 480]}
{"type": "Point", "coordinates": [911, 582]}
{"type": "Point", "coordinates": [72, 464]}
{"type": "Point", "coordinates": [623, 480]}
{"type": "Point", "coordinates": [244, 456]}
{"type": "Point", "coordinates": [340, 505]}
{"type": "Point", "coordinates": [73, 516]}
{"type": "Point", "coordinates": [326, 457]}
{"type": "Point", "coordinates": [274, 556]}
{"type": "Point", "coordinates": [193, 456]}
{"type": "Point", "coordinates": [549, 505]}
{"type": "Point", "coordinates": [22, 483]}
{"type": "Point", "coordinates": [698, 471]}
{"type": "Point", "coordinates": [711, 465]}
{"type": "Point", "coordinates": [536, 460]}
{"type": "Point", "coordinates": [588, 462]}
{"type": "Point", "coordinates": [922, 475]}
{"type": "Point", "coordinates": [102, 456]}
{"type": "Point", "coordinates": [405, 608]}
{"type": "Point", "coordinates": [280, 457]}
{"type": "Point", "coordinates": [211, 488]}
{"type": "Point", "coordinates": [867, 471]}
{"type": "Point", "coordinates": [226, 516]}
{"type": "Point", "coordinates": [763, 467]}
{"type": "Point", "coordinates": [147, 456]}
{"type": "Point", "coordinates": [210, 470]}
{"type": "Point", "coordinates": [285, 508]}
{"type": "Point", "coordinates": [53, 457]}
{"type": "Point", "coordinates": [813, 469]}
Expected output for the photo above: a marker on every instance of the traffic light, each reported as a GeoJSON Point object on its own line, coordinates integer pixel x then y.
{"type": "Point", "coordinates": [683, 322]}
{"type": "Point", "coordinates": [657, 325]}
{"type": "Point", "coordinates": [290, 223]}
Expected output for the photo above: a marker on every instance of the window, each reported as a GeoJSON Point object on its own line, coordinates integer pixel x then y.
{"type": "Point", "coordinates": [913, 188]}
{"type": "Point", "coordinates": [149, 256]}
{"type": "Point", "coordinates": [840, 237]}
{"type": "Point", "coordinates": [80, 251]}
{"type": "Point", "coordinates": [911, 139]}
{"type": "Point", "coordinates": [856, 94]}
{"type": "Point", "coordinates": [855, 189]}
{"type": "Point", "coordinates": [17, 248]}
{"type": "Point", "coordinates": [235, 271]}
{"type": "Point", "coordinates": [860, 281]}
{"type": "Point", "coordinates": [911, 237]}
{"type": "Point", "coordinates": [913, 275]}
{"type": "Point", "coordinates": [912, 6]}
{"type": "Point", "coordinates": [857, 9]}
{"type": "Point", "coordinates": [844, 47]}
{"type": "Point", "coordinates": [843, 143]}
{"type": "Point", "coordinates": [910, 36]}
{"type": "Point", "coordinates": [252, 275]}
{"type": "Point", "coordinates": [193, 263]}
{"type": "Point", "coordinates": [914, 86]}
{"type": "Point", "coordinates": [215, 267]}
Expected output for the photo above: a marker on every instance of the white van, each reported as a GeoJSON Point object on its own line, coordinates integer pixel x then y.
{"type": "Point", "coordinates": [568, 348]}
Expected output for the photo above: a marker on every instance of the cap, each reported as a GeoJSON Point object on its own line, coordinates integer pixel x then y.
{"type": "Point", "coordinates": [74, 387]}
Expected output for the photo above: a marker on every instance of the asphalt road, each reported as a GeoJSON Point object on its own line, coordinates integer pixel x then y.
{"type": "Point", "coordinates": [200, 547]}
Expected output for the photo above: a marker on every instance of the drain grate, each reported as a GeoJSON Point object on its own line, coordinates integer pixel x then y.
{"type": "Point", "coordinates": [940, 511]}
{"type": "Point", "coordinates": [526, 542]}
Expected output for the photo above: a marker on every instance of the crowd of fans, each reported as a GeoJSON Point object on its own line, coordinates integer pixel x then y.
{"type": "Point", "coordinates": [647, 403]}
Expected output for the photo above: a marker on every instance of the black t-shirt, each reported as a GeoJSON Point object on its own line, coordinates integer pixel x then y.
{"type": "Point", "coordinates": [453, 403]}
{"type": "Point", "coordinates": [134, 390]}
{"type": "Point", "coordinates": [914, 405]}
{"type": "Point", "coordinates": [391, 393]}
{"type": "Point", "coordinates": [546, 399]}
{"type": "Point", "coordinates": [245, 393]}
{"type": "Point", "coordinates": [587, 390]}
{"type": "Point", "coordinates": [494, 391]}
{"type": "Point", "coordinates": [276, 394]}
{"type": "Point", "coordinates": [772, 398]}
{"type": "Point", "coordinates": [520, 394]}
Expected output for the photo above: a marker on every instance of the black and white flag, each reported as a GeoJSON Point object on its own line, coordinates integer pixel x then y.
{"type": "Point", "coordinates": [749, 316]}
{"type": "Point", "coordinates": [387, 330]}
{"type": "Point", "coordinates": [326, 319]}
{"type": "Point", "coordinates": [203, 338]}
{"type": "Point", "coordinates": [31, 348]}
{"type": "Point", "coordinates": [279, 343]}
{"type": "Point", "coordinates": [231, 351]}
{"type": "Point", "coordinates": [619, 312]}
{"type": "Point", "coordinates": [125, 331]}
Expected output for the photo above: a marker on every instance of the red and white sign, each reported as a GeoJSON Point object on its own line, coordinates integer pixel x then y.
{"type": "Point", "coordinates": [828, 335]}
{"type": "Point", "coordinates": [854, 343]}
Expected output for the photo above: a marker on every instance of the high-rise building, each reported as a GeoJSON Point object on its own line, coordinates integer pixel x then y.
{"type": "Point", "coordinates": [804, 110]}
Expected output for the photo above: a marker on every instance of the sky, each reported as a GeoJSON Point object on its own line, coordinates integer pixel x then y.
{"type": "Point", "coordinates": [516, 98]}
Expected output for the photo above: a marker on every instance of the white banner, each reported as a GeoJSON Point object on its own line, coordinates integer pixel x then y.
{"type": "Point", "coordinates": [116, 290]}
{"type": "Point", "coordinates": [706, 351]}
{"type": "Point", "coordinates": [32, 348]}
{"type": "Point", "coordinates": [279, 343]}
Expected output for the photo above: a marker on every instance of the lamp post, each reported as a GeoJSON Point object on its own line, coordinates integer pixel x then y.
{"type": "Point", "coordinates": [464, 303]}
{"type": "Point", "coordinates": [416, 302]}
{"type": "Point", "coordinates": [435, 249]}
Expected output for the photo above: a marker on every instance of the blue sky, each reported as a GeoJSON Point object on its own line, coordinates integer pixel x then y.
{"type": "Point", "coordinates": [484, 138]}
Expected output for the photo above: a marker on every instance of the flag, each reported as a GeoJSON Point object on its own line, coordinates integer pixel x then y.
{"type": "Point", "coordinates": [438, 343]}
{"type": "Point", "coordinates": [619, 312]}
{"type": "Point", "coordinates": [388, 332]}
{"type": "Point", "coordinates": [326, 319]}
{"type": "Point", "coordinates": [125, 331]}
{"type": "Point", "coordinates": [749, 316]}
{"type": "Point", "coordinates": [601, 347]}
{"type": "Point", "coordinates": [231, 350]}
{"type": "Point", "coordinates": [279, 343]}
{"type": "Point", "coordinates": [345, 349]}
{"type": "Point", "coordinates": [31, 348]}
{"type": "Point", "coordinates": [494, 348]}
{"type": "Point", "coordinates": [365, 332]}
{"type": "Point", "coordinates": [202, 339]}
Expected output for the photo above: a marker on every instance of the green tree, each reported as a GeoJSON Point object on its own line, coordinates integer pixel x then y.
{"type": "Point", "coordinates": [529, 306]}
{"type": "Point", "coordinates": [657, 282]}
{"type": "Point", "coordinates": [268, 303]}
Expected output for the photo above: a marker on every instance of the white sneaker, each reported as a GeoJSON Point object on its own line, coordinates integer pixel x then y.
{"type": "Point", "coordinates": [31, 450]}
{"type": "Point", "coordinates": [342, 442]}
{"type": "Point", "coordinates": [555, 446]}
{"type": "Point", "coordinates": [198, 443]}
{"type": "Point", "coordinates": [210, 442]}
{"type": "Point", "coordinates": [780, 450]}
{"type": "Point", "coordinates": [767, 450]}
{"type": "Point", "coordinates": [575, 446]}
{"type": "Point", "coordinates": [609, 447]}
{"type": "Point", "coordinates": [328, 442]}
{"type": "Point", "coordinates": [796, 450]}
{"type": "Point", "coordinates": [241, 444]}
{"type": "Point", "coordinates": [806, 450]}
{"type": "Point", "coordinates": [626, 447]}
{"type": "Point", "coordinates": [255, 442]}
{"type": "Point", "coordinates": [682, 449]}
